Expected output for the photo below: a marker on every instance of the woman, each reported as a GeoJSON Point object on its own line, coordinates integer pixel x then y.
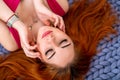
{"type": "Point", "coordinates": [30, 12]}
{"type": "Point", "coordinates": [86, 24]}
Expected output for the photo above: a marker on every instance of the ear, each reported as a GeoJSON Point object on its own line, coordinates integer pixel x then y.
{"type": "Point", "coordinates": [40, 56]}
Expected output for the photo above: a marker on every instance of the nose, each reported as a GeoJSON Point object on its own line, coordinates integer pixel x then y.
{"type": "Point", "coordinates": [51, 37]}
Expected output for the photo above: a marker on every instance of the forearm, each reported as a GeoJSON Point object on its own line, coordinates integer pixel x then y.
{"type": "Point", "coordinates": [38, 4]}
{"type": "Point", "coordinates": [38, 1]}
{"type": "Point", "coordinates": [5, 11]}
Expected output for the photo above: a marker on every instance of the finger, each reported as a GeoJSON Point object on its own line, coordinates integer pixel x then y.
{"type": "Point", "coordinates": [31, 54]}
{"type": "Point", "coordinates": [56, 21]}
{"type": "Point", "coordinates": [47, 22]}
{"type": "Point", "coordinates": [32, 47]}
{"type": "Point", "coordinates": [63, 29]}
{"type": "Point", "coordinates": [29, 47]}
{"type": "Point", "coordinates": [52, 20]}
{"type": "Point", "coordinates": [62, 25]}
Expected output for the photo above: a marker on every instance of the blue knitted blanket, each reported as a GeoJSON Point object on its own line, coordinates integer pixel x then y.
{"type": "Point", "coordinates": [106, 64]}
{"type": "Point", "coordinates": [3, 51]}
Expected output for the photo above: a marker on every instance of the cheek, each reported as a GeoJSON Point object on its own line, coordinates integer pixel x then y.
{"type": "Point", "coordinates": [41, 47]}
{"type": "Point", "coordinates": [41, 44]}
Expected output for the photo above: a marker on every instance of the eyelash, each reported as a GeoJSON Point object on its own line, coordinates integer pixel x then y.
{"type": "Point", "coordinates": [51, 55]}
{"type": "Point", "coordinates": [65, 40]}
{"type": "Point", "coordinates": [48, 51]}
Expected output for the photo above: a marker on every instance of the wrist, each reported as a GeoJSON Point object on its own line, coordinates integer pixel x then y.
{"type": "Point", "coordinates": [18, 25]}
{"type": "Point", "coordinates": [14, 18]}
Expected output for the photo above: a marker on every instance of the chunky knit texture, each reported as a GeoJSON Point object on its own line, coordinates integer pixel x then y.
{"type": "Point", "coordinates": [3, 51]}
{"type": "Point", "coordinates": [106, 64]}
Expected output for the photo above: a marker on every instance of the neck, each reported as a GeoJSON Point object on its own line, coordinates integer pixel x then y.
{"type": "Point", "coordinates": [27, 14]}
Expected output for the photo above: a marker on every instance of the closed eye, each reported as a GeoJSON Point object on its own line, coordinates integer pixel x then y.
{"type": "Point", "coordinates": [46, 53]}
{"type": "Point", "coordinates": [64, 43]}
{"type": "Point", "coordinates": [49, 53]}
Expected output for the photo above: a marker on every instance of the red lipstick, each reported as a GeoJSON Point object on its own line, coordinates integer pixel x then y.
{"type": "Point", "coordinates": [46, 33]}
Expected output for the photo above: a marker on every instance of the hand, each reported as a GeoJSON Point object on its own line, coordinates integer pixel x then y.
{"type": "Point", "coordinates": [47, 16]}
{"type": "Point", "coordinates": [23, 33]}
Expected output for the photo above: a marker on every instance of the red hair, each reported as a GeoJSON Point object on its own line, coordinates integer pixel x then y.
{"type": "Point", "coordinates": [86, 23]}
{"type": "Point", "coordinates": [94, 21]}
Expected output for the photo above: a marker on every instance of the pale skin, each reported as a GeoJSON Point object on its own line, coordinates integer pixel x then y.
{"type": "Point", "coordinates": [55, 46]}
{"type": "Point", "coordinates": [28, 11]}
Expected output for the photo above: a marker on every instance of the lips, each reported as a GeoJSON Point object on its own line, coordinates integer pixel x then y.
{"type": "Point", "coordinates": [46, 33]}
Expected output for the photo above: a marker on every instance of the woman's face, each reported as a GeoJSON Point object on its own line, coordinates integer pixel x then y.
{"type": "Point", "coordinates": [55, 46]}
